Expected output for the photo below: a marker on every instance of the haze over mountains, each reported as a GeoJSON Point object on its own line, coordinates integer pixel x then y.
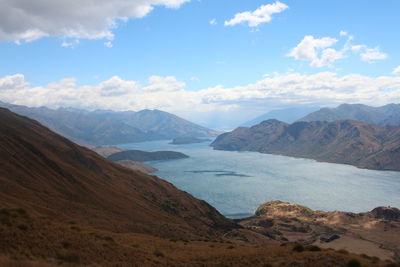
{"type": "Point", "coordinates": [287, 115]}
{"type": "Point", "coordinates": [348, 142]}
{"type": "Point", "coordinates": [108, 127]}
{"type": "Point", "coordinates": [384, 115]}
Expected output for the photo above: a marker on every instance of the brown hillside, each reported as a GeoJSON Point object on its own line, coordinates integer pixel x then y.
{"type": "Point", "coordinates": [49, 175]}
{"type": "Point", "coordinates": [36, 242]}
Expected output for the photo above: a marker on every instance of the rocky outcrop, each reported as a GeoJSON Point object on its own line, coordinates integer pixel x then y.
{"type": "Point", "coordinates": [377, 230]}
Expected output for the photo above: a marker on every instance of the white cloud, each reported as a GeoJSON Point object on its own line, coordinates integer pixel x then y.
{"type": "Point", "coordinates": [261, 15]}
{"type": "Point", "coordinates": [170, 94]}
{"type": "Point", "coordinates": [316, 51]}
{"type": "Point", "coordinates": [72, 44]}
{"type": "Point", "coordinates": [108, 44]}
{"type": "Point", "coordinates": [372, 54]}
{"type": "Point", "coordinates": [213, 22]}
{"type": "Point", "coordinates": [15, 82]}
{"type": "Point", "coordinates": [397, 70]}
{"type": "Point", "coordinates": [22, 20]}
{"type": "Point", "coordinates": [320, 53]}
{"type": "Point", "coordinates": [357, 48]}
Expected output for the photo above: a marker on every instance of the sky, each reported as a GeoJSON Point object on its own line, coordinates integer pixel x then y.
{"type": "Point", "coordinates": [216, 62]}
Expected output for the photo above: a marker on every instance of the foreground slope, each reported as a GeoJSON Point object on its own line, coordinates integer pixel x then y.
{"type": "Point", "coordinates": [46, 173]}
{"type": "Point", "coordinates": [36, 242]}
{"type": "Point", "coordinates": [384, 115]}
{"type": "Point", "coordinates": [348, 142]}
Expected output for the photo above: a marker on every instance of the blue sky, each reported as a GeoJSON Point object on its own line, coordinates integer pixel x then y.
{"type": "Point", "coordinates": [180, 42]}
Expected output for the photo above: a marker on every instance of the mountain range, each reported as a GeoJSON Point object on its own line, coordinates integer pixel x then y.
{"type": "Point", "coordinates": [109, 128]}
{"type": "Point", "coordinates": [384, 115]}
{"type": "Point", "coordinates": [356, 143]}
{"type": "Point", "coordinates": [61, 203]}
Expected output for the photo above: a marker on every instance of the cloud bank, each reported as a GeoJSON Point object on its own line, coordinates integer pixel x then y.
{"type": "Point", "coordinates": [170, 94]}
{"type": "Point", "coordinates": [22, 20]}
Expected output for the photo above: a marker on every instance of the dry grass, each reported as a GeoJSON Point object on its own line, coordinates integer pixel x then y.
{"type": "Point", "coordinates": [49, 243]}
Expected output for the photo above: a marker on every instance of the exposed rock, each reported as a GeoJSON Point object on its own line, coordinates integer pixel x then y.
{"type": "Point", "coordinates": [377, 230]}
{"type": "Point", "coordinates": [387, 213]}
{"type": "Point", "coordinates": [328, 239]}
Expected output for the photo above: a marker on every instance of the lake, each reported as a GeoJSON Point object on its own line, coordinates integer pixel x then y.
{"type": "Point", "coordinates": [236, 183]}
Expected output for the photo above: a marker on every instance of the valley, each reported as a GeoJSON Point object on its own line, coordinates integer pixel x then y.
{"type": "Point", "coordinates": [146, 133]}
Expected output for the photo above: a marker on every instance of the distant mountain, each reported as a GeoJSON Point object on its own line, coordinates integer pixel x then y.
{"type": "Point", "coordinates": [349, 142]}
{"type": "Point", "coordinates": [143, 156]}
{"type": "Point", "coordinates": [288, 115]}
{"type": "Point", "coordinates": [110, 128]}
{"type": "Point", "coordinates": [162, 123]}
{"type": "Point", "coordinates": [385, 115]}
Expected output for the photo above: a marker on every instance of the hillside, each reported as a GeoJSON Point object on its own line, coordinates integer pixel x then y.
{"type": "Point", "coordinates": [137, 166]}
{"type": "Point", "coordinates": [111, 128]}
{"type": "Point", "coordinates": [60, 179]}
{"type": "Point", "coordinates": [348, 142]}
{"type": "Point", "coordinates": [39, 242]}
{"type": "Point", "coordinates": [385, 115]}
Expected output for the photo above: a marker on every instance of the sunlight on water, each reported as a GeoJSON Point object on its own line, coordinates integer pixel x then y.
{"type": "Point", "coordinates": [236, 183]}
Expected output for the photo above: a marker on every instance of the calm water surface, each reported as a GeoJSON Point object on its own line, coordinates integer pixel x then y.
{"type": "Point", "coordinates": [236, 183]}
